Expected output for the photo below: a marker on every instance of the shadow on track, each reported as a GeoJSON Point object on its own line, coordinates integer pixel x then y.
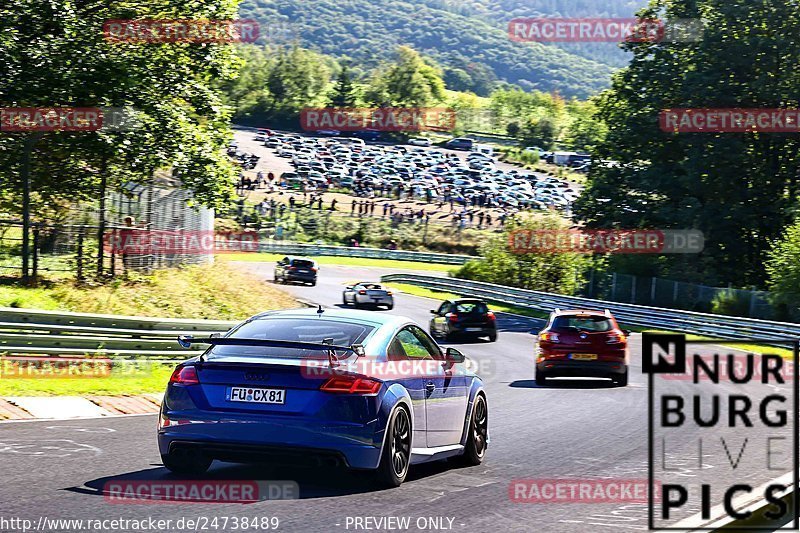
{"type": "Point", "coordinates": [574, 384]}
{"type": "Point", "coordinates": [313, 482]}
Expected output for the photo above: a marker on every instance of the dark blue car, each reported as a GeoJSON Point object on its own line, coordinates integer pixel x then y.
{"type": "Point", "coordinates": [332, 387]}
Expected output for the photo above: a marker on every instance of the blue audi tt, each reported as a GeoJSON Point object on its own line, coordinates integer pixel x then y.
{"type": "Point", "coordinates": [350, 388]}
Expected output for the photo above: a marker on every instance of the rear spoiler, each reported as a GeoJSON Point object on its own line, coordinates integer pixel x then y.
{"type": "Point", "coordinates": [187, 340]}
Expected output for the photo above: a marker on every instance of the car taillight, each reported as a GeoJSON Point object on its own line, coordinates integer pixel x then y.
{"type": "Point", "coordinates": [615, 338]}
{"type": "Point", "coordinates": [452, 317]}
{"type": "Point", "coordinates": [291, 268]}
{"type": "Point", "coordinates": [362, 292]}
{"type": "Point", "coordinates": [549, 337]}
{"type": "Point", "coordinates": [490, 316]}
{"type": "Point", "coordinates": [351, 385]}
{"type": "Point", "coordinates": [313, 269]}
{"type": "Point", "coordinates": [185, 375]}
{"type": "Point", "coordinates": [388, 293]}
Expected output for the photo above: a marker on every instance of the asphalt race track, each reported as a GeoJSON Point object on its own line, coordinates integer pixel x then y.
{"type": "Point", "coordinates": [570, 429]}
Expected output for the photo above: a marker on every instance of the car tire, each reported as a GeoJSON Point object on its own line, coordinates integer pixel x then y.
{"type": "Point", "coordinates": [344, 301]}
{"type": "Point", "coordinates": [313, 283]}
{"type": "Point", "coordinates": [396, 454]}
{"type": "Point", "coordinates": [621, 380]}
{"type": "Point", "coordinates": [186, 465]}
{"type": "Point", "coordinates": [477, 433]}
{"type": "Point", "coordinates": [493, 337]}
{"type": "Point", "coordinates": [541, 379]}
{"type": "Point", "coordinates": [390, 307]}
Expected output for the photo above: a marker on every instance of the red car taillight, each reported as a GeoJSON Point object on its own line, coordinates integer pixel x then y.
{"type": "Point", "coordinates": [185, 375]}
{"type": "Point", "coordinates": [549, 337]}
{"type": "Point", "coordinates": [452, 317]}
{"type": "Point", "coordinates": [616, 338]}
{"type": "Point", "coordinates": [490, 316]}
{"type": "Point", "coordinates": [351, 385]}
{"type": "Point", "coordinates": [362, 292]}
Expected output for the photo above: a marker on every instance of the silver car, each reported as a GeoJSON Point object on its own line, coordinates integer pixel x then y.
{"type": "Point", "coordinates": [366, 293]}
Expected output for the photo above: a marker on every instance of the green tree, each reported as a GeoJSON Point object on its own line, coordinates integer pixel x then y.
{"type": "Point", "coordinates": [783, 270]}
{"type": "Point", "coordinates": [344, 94]}
{"type": "Point", "coordinates": [541, 132]}
{"type": "Point", "coordinates": [738, 188]}
{"type": "Point", "coordinates": [409, 82]}
{"type": "Point", "coordinates": [552, 272]}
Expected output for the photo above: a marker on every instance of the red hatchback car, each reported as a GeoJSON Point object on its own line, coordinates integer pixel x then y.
{"type": "Point", "coordinates": [582, 343]}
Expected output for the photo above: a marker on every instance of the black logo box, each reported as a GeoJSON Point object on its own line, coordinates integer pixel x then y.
{"type": "Point", "coordinates": [674, 345]}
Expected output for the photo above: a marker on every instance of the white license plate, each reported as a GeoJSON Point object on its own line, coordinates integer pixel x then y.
{"type": "Point", "coordinates": [472, 329]}
{"type": "Point", "coordinates": [255, 395]}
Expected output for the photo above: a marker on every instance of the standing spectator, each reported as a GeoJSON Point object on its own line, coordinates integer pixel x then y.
{"type": "Point", "coordinates": [480, 219]}
{"type": "Point", "coordinates": [371, 208]}
{"type": "Point", "coordinates": [488, 220]}
{"type": "Point", "coordinates": [291, 202]}
{"type": "Point", "coordinates": [319, 203]}
{"type": "Point", "coordinates": [385, 208]}
{"type": "Point", "coordinates": [353, 207]}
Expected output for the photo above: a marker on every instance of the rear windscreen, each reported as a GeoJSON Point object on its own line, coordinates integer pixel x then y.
{"type": "Point", "coordinates": [301, 263]}
{"type": "Point", "coordinates": [471, 307]}
{"type": "Point", "coordinates": [584, 323]}
{"type": "Point", "coordinates": [294, 329]}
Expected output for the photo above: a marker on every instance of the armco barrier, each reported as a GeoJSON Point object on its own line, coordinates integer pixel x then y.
{"type": "Point", "coordinates": [53, 333]}
{"type": "Point", "coordinates": [714, 326]}
{"type": "Point", "coordinates": [358, 251]}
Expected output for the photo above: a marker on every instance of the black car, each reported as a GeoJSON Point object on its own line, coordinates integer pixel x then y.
{"type": "Point", "coordinates": [467, 317]}
{"type": "Point", "coordinates": [296, 269]}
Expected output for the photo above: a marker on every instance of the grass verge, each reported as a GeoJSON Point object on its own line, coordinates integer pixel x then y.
{"type": "Point", "coordinates": [216, 291]}
{"type": "Point", "coordinates": [348, 261]}
{"type": "Point", "coordinates": [150, 377]}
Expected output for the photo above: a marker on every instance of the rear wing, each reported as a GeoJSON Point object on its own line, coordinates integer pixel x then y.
{"type": "Point", "coordinates": [187, 340]}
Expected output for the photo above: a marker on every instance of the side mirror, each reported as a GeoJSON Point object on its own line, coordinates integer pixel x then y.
{"type": "Point", "coordinates": [627, 332]}
{"type": "Point", "coordinates": [348, 288]}
{"type": "Point", "coordinates": [433, 311]}
{"type": "Point", "coordinates": [454, 356]}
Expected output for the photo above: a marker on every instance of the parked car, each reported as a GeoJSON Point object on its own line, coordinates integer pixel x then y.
{"type": "Point", "coordinates": [460, 143]}
{"type": "Point", "coordinates": [366, 293]}
{"type": "Point", "coordinates": [314, 387]}
{"type": "Point", "coordinates": [296, 269]}
{"type": "Point", "coordinates": [466, 317]}
{"type": "Point", "coordinates": [582, 343]}
{"type": "Point", "coordinates": [419, 141]}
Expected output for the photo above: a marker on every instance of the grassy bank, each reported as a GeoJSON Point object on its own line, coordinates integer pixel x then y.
{"type": "Point", "coordinates": [216, 291]}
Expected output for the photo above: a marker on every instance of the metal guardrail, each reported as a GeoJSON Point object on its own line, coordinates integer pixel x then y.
{"type": "Point", "coordinates": [358, 251]}
{"type": "Point", "coordinates": [704, 324]}
{"type": "Point", "coordinates": [54, 333]}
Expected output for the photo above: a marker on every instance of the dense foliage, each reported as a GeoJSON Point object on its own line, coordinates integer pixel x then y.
{"type": "Point", "coordinates": [475, 52]}
{"type": "Point", "coordinates": [740, 189]}
{"type": "Point", "coordinates": [54, 54]}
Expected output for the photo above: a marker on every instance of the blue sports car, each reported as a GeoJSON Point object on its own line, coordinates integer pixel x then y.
{"type": "Point", "coordinates": [350, 388]}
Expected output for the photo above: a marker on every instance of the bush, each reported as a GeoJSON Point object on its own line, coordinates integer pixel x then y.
{"type": "Point", "coordinates": [730, 302]}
